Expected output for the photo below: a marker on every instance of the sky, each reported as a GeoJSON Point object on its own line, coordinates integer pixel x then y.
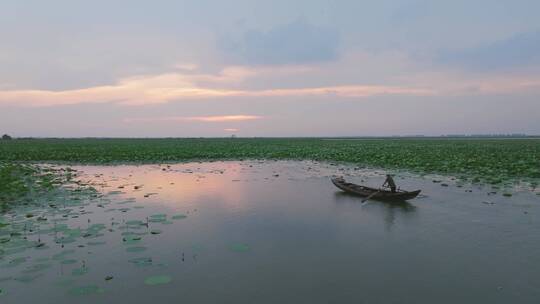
{"type": "Point", "coordinates": [164, 68]}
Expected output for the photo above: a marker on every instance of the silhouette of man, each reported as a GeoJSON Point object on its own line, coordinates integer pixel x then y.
{"type": "Point", "coordinates": [390, 183]}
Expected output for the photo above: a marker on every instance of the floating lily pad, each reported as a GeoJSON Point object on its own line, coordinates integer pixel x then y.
{"type": "Point", "coordinates": [86, 290]}
{"type": "Point", "coordinates": [179, 217]}
{"type": "Point", "coordinates": [96, 243]}
{"type": "Point", "coordinates": [157, 220]}
{"type": "Point", "coordinates": [134, 223]}
{"type": "Point", "coordinates": [67, 240]}
{"type": "Point", "coordinates": [136, 249]}
{"type": "Point", "coordinates": [131, 239]}
{"type": "Point", "coordinates": [155, 231]}
{"type": "Point", "coordinates": [158, 280]}
{"type": "Point", "coordinates": [141, 262]}
{"type": "Point", "coordinates": [41, 246]}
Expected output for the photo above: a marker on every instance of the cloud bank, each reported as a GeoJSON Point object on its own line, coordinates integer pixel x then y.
{"type": "Point", "coordinates": [174, 87]}
{"type": "Point", "coordinates": [297, 42]}
{"type": "Point", "coordinates": [518, 51]}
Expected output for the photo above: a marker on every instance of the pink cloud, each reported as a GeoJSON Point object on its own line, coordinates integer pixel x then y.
{"type": "Point", "coordinates": [178, 86]}
{"type": "Point", "coordinates": [217, 118]}
{"type": "Point", "coordinates": [181, 86]}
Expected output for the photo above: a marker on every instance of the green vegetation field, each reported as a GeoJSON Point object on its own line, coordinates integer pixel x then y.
{"type": "Point", "coordinates": [19, 181]}
{"type": "Point", "coordinates": [489, 160]}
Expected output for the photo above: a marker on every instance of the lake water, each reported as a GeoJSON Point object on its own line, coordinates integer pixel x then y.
{"type": "Point", "coordinates": [268, 232]}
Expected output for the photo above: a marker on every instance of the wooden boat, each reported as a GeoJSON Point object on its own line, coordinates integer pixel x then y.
{"type": "Point", "coordinates": [383, 195]}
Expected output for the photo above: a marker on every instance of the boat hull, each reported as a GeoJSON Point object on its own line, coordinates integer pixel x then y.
{"type": "Point", "coordinates": [382, 195]}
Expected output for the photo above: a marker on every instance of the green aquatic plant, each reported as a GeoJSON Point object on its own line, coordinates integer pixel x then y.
{"type": "Point", "coordinates": [158, 280]}
{"type": "Point", "coordinates": [486, 159]}
{"type": "Point", "coordinates": [141, 262]}
{"type": "Point", "coordinates": [22, 183]}
{"type": "Point", "coordinates": [86, 290]}
{"type": "Point", "coordinates": [136, 249]}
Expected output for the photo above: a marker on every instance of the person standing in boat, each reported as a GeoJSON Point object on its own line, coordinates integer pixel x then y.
{"type": "Point", "coordinates": [389, 182]}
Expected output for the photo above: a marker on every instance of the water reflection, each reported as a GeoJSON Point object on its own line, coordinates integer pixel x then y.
{"type": "Point", "coordinates": [175, 186]}
{"type": "Point", "coordinates": [266, 232]}
{"type": "Point", "coordinates": [388, 210]}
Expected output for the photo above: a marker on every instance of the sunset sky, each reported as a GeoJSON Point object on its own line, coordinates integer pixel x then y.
{"type": "Point", "coordinates": [269, 68]}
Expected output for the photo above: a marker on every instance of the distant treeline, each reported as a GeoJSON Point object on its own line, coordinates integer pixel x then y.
{"type": "Point", "coordinates": [298, 137]}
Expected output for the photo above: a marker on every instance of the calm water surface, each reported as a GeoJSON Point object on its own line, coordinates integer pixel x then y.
{"type": "Point", "coordinates": [268, 232]}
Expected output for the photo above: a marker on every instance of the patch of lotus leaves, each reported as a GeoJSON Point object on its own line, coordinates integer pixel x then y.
{"type": "Point", "coordinates": [158, 280]}
{"type": "Point", "coordinates": [86, 290]}
{"type": "Point", "coordinates": [135, 223]}
{"type": "Point", "coordinates": [96, 227]}
{"type": "Point", "coordinates": [179, 217]}
{"type": "Point", "coordinates": [136, 249]}
{"type": "Point", "coordinates": [158, 218]}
